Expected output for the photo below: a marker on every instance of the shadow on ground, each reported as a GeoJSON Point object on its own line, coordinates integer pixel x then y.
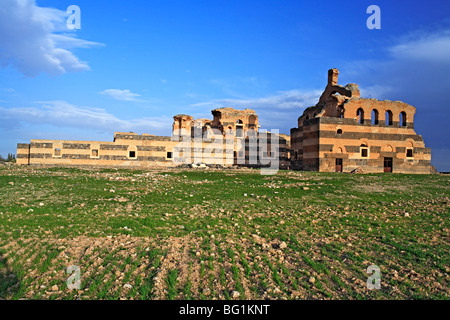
{"type": "Point", "coordinates": [9, 282]}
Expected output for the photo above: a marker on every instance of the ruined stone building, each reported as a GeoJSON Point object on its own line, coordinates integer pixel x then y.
{"type": "Point", "coordinates": [223, 141]}
{"type": "Point", "coordinates": [342, 132]}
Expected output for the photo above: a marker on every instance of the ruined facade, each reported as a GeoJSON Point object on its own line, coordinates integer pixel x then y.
{"type": "Point", "coordinates": [241, 123]}
{"type": "Point", "coordinates": [344, 132]}
{"type": "Point", "coordinates": [224, 140]}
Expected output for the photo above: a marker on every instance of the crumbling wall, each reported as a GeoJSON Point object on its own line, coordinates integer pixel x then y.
{"type": "Point", "coordinates": [346, 132]}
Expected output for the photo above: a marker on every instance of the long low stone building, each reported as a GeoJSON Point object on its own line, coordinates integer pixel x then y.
{"type": "Point", "coordinates": [224, 141]}
{"type": "Point", "coordinates": [127, 149]}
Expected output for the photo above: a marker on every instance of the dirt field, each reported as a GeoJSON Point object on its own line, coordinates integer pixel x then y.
{"type": "Point", "coordinates": [221, 234]}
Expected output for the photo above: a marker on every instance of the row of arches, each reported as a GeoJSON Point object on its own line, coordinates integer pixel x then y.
{"type": "Point", "coordinates": [375, 115]}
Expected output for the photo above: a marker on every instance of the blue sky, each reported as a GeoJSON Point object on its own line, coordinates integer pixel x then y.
{"type": "Point", "coordinates": [135, 64]}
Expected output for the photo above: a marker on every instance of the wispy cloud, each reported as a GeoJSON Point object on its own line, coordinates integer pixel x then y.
{"type": "Point", "coordinates": [277, 111]}
{"type": "Point", "coordinates": [416, 67]}
{"type": "Point", "coordinates": [122, 95]}
{"type": "Point", "coordinates": [431, 48]}
{"type": "Point", "coordinates": [65, 115]}
{"type": "Point", "coordinates": [291, 99]}
{"type": "Point", "coordinates": [35, 39]}
{"type": "Point", "coordinates": [239, 87]}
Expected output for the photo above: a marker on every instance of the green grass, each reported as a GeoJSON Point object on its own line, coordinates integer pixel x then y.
{"type": "Point", "coordinates": [172, 284]}
{"type": "Point", "coordinates": [51, 218]}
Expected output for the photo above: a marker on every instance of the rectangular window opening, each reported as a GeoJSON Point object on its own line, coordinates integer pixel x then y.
{"type": "Point", "coordinates": [409, 153]}
{"type": "Point", "coordinates": [364, 152]}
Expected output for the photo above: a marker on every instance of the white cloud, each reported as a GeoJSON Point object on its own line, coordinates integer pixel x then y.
{"type": "Point", "coordinates": [291, 99]}
{"type": "Point", "coordinates": [278, 111]}
{"type": "Point", "coordinates": [66, 115]}
{"type": "Point", "coordinates": [375, 91]}
{"type": "Point", "coordinates": [122, 95]}
{"type": "Point", "coordinates": [433, 48]}
{"type": "Point", "coordinates": [35, 39]}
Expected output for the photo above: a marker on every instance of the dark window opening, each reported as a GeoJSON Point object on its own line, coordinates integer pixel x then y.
{"type": "Point", "coordinates": [409, 153]}
{"type": "Point", "coordinates": [132, 154]}
{"type": "Point", "coordinates": [387, 165]}
{"type": "Point", "coordinates": [374, 117]}
{"type": "Point", "coordinates": [360, 115]}
{"type": "Point", "coordinates": [402, 119]}
{"type": "Point", "coordinates": [389, 118]}
{"type": "Point", "coordinates": [169, 155]}
{"type": "Point", "coordinates": [339, 131]}
{"type": "Point", "coordinates": [364, 152]}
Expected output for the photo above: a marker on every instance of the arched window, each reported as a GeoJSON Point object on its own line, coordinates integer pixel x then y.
{"type": "Point", "coordinates": [388, 117]}
{"type": "Point", "coordinates": [339, 131]}
{"type": "Point", "coordinates": [402, 117]}
{"type": "Point", "coordinates": [239, 129]}
{"type": "Point", "coordinates": [360, 115]}
{"type": "Point", "coordinates": [374, 116]}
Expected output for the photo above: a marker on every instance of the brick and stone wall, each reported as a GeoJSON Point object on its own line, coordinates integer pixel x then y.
{"type": "Point", "coordinates": [346, 132]}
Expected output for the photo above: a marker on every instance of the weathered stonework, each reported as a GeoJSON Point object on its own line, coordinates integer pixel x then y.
{"type": "Point", "coordinates": [343, 132]}
{"type": "Point", "coordinates": [133, 150]}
